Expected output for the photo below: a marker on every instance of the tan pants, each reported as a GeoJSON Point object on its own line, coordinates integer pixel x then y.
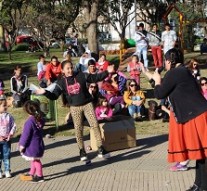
{"type": "Point", "coordinates": [77, 113]}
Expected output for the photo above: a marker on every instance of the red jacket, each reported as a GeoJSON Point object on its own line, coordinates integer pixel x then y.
{"type": "Point", "coordinates": [52, 72]}
{"type": "Point", "coordinates": [134, 69]}
{"type": "Point", "coordinates": [102, 67]}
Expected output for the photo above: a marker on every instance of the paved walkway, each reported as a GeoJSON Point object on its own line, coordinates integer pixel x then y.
{"type": "Point", "coordinates": [143, 168]}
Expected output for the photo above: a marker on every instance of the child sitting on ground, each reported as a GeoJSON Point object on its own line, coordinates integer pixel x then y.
{"type": "Point", "coordinates": [19, 87]}
{"type": "Point", "coordinates": [103, 110]}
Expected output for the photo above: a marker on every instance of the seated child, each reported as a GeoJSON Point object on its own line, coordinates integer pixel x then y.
{"type": "Point", "coordinates": [19, 87]}
{"type": "Point", "coordinates": [103, 110]}
{"type": "Point", "coordinates": [113, 96]}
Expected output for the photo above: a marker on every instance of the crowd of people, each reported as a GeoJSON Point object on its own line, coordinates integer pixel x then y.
{"type": "Point", "coordinates": [96, 90]}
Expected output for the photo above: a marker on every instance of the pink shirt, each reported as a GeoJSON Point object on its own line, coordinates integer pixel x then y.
{"type": "Point", "coordinates": [103, 112]}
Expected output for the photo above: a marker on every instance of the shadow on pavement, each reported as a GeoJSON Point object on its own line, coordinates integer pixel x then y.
{"type": "Point", "coordinates": [50, 146]}
{"type": "Point", "coordinates": [144, 145]}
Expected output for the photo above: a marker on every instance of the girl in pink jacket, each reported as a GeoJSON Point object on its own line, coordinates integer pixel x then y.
{"type": "Point", "coordinates": [103, 110]}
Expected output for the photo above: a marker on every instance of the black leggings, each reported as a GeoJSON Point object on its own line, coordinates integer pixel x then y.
{"type": "Point", "coordinates": [201, 174]}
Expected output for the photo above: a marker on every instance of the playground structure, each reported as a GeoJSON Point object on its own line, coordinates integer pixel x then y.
{"type": "Point", "coordinates": [181, 21]}
{"type": "Point", "coordinates": [182, 27]}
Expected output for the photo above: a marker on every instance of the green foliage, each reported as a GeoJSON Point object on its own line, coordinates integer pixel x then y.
{"type": "Point", "coordinates": [21, 47]}
{"type": "Point", "coordinates": [190, 12]}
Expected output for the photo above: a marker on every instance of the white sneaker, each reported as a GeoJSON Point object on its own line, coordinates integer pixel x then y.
{"type": "Point", "coordinates": [7, 174]}
{"type": "Point", "coordinates": [1, 175]}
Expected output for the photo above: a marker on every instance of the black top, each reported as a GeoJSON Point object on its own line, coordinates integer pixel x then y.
{"type": "Point", "coordinates": [184, 94]}
{"type": "Point", "coordinates": [23, 86]}
{"type": "Point", "coordinates": [83, 97]}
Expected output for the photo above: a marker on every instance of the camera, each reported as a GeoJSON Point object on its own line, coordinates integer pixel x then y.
{"type": "Point", "coordinates": [151, 81]}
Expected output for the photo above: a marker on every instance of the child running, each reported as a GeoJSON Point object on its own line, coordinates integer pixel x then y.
{"type": "Point", "coordinates": [7, 130]}
{"type": "Point", "coordinates": [31, 145]}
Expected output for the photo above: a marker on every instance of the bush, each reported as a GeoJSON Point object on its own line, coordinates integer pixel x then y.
{"type": "Point", "coordinates": [21, 47]}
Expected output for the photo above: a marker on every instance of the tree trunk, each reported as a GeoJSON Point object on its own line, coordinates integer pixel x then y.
{"type": "Point", "coordinates": [9, 50]}
{"type": "Point", "coordinates": [47, 52]}
{"type": "Point", "coordinates": [91, 14]}
{"type": "Point", "coordinates": [122, 38]}
{"type": "Point", "coordinates": [92, 38]}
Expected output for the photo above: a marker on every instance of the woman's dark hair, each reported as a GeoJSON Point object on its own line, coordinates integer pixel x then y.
{"type": "Point", "coordinates": [201, 79]}
{"type": "Point", "coordinates": [54, 57]}
{"type": "Point", "coordinates": [154, 24]}
{"type": "Point", "coordinates": [135, 56]}
{"type": "Point", "coordinates": [66, 62]}
{"type": "Point", "coordinates": [91, 62]}
{"type": "Point", "coordinates": [41, 56]}
{"type": "Point", "coordinates": [190, 63]}
{"type": "Point", "coordinates": [167, 24]}
{"type": "Point", "coordinates": [103, 55]}
{"type": "Point", "coordinates": [101, 99]}
{"type": "Point", "coordinates": [175, 56]}
{"type": "Point", "coordinates": [134, 81]}
{"type": "Point", "coordinates": [33, 108]}
{"type": "Point", "coordinates": [17, 67]}
{"type": "Point", "coordinates": [96, 86]}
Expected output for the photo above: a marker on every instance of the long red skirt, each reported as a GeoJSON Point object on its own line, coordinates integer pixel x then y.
{"type": "Point", "coordinates": [188, 140]}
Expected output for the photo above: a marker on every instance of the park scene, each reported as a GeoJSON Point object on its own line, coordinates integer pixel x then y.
{"type": "Point", "coordinates": [103, 95]}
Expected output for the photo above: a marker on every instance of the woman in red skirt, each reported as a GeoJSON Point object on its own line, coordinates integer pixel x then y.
{"type": "Point", "coordinates": [188, 117]}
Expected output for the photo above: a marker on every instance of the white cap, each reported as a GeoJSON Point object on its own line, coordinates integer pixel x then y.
{"type": "Point", "coordinates": [88, 51]}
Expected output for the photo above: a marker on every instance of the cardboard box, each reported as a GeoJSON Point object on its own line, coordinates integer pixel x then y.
{"type": "Point", "coordinates": [117, 134]}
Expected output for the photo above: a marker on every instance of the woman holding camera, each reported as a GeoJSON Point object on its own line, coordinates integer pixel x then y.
{"type": "Point", "coordinates": [188, 115]}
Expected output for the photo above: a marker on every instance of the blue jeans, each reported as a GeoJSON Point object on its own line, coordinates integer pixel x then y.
{"type": "Point", "coordinates": [142, 51]}
{"type": "Point", "coordinates": [133, 108]}
{"type": "Point", "coordinates": [5, 151]}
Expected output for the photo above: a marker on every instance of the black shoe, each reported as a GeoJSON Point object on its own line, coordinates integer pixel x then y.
{"type": "Point", "coordinates": [83, 155]}
{"type": "Point", "coordinates": [193, 188]}
{"type": "Point", "coordinates": [38, 179]}
{"type": "Point", "coordinates": [165, 120]}
{"type": "Point", "coordinates": [102, 153]}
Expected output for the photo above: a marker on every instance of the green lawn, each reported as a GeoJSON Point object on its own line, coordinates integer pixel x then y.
{"type": "Point", "coordinates": [29, 62]}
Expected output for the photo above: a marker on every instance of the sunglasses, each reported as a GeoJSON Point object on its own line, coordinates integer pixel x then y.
{"type": "Point", "coordinates": [202, 84]}
{"type": "Point", "coordinates": [92, 86]}
{"type": "Point", "coordinates": [133, 85]}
